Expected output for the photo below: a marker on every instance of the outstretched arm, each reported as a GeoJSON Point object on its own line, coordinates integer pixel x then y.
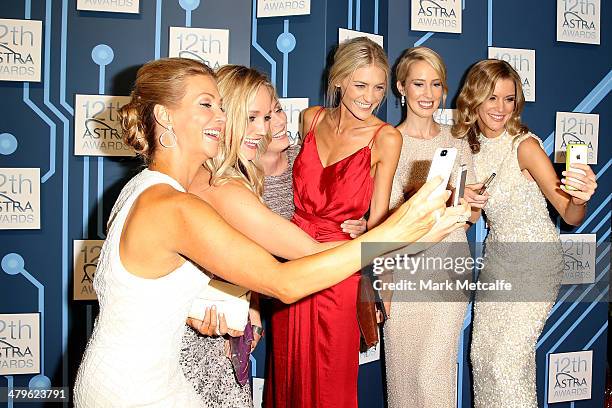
{"type": "Point", "coordinates": [243, 211]}
{"type": "Point", "coordinates": [201, 235]}
{"type": "Point", "coordinates": [569, 204]}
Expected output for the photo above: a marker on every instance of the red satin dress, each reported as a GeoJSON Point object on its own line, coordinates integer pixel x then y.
{"type": "Point", "coordinates": [314, 359]}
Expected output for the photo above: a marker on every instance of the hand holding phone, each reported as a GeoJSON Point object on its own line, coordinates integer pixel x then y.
{"type": "Point", "coordinates": [442, 165]}
{"type": "Point", "coordinates": [575, 153]}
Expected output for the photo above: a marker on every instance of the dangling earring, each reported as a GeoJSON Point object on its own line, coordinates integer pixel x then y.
{"type": "Point", "coordinates": [161, 138]}
{"type": "Point", "coordinates": [403, 100]}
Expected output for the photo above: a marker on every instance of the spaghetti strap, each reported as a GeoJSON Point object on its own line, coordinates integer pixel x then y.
{"type": "Point", "coordinates": [315, 119]}
{"type": "Point", "coordinates": [375, 134]}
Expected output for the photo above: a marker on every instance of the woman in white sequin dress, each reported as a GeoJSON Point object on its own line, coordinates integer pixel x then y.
{"type": "Point", "coordinates": [507, 325]}
{"type": "Point", "coordinates": [413, 332]}
{"type": "Point", "coordinates": [146, 280]}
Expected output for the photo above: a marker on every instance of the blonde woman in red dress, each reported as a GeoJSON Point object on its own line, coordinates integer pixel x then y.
{"type": "Point", "coordinates": [344, 170]}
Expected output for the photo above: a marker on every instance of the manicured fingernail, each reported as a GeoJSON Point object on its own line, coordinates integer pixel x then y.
{"type": "Point", "coordinates": [214, 308]}
{"type": "Point", "coordinates": [563, 180]}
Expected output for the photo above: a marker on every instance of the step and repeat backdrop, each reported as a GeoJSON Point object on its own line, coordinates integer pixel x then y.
{"type": "Point", "coordinates": [67, 66]}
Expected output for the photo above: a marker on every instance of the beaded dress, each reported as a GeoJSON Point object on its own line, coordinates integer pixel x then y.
{"type": "Point", "coordinates": [506, 329]}
{"type": "Point", "coordinates": [421, 337]}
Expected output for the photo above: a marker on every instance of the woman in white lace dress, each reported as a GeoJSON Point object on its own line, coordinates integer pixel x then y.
{"type": "Point", "coordinates": [146, 280]}
{"type": "Point", "coordinates": [523, 244]}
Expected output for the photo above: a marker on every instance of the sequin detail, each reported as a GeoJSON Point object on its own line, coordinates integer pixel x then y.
{"type": "Point", "coordinates": [505, 333]}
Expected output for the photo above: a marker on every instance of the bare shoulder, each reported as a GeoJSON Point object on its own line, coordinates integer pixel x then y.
{"type": "Point", "coordinates": [230, 190]}
{"type": "Point", "coordinates": [309, 114]}
{"type": "Point", "coordinates": [388, 138]}
{"type": "Point", "coordinates": [529, 144]}
{"type": "Point", "coordinates": [163, 204]}
{"type": "Point", "coordinates": [530, 153]}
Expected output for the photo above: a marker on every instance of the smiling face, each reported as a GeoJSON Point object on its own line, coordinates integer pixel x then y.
{"type": "Point", "coordinates": [363, 91]}
{"type": "Point", "coordinates": [198, 121]}
{"type": "Point", "coordinates": [278, 128]}
{"type": "Point", "coordinates": [258, 126]}
{"type": "Point", "coordinates": [423, 89]}
{"type": "Point", "coordinates": [494, 112]}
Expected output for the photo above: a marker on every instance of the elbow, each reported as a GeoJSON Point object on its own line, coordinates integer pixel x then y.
{"type": "Point", "coordinates": [573, 221]}
{"type": "Point", "coordinates": [287, 293]}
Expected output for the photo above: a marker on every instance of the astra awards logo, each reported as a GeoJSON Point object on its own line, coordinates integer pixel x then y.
{"type": "Point", "coordinates": [579, 21]}
{"type": "Point", "coordinates": [579, 252]}
{"type": "Point", "coordinates": [574, 127]}
{"type": "Point", "coordinates": [570, 376]}
{"type": "Point", "coordinates": [85, 256]}
{"type": "Point", "coordinates": [97, 128]}
{"type": "Point", "coordinates": [20, 50]}
{"type": "Point", "coordinates": [442, 16]}
{"type": "Point", "coordinates": [293, 108]}
{"type": "Point", "coordinates": [19, 198]}
{"type": "Point", "coordinates": [19, 343]}
{"type": "Point", "coordinates": [115, 6]}
{"type": "Point", "coordinates": [208, 45]}
{"type": "Point", "coordinates": [445, 116]}
{"type": "Point", "coordinates": [346, 34]}
{"type": "Point", "coordinates": [523, 61]}
{"type": "Point", "coordinates": [276, 8]}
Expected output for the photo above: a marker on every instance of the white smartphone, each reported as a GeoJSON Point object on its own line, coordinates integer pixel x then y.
{"type": "Point", "coordinates": [460, 184]}
{"type": "Point", "coordinates": [576, 153]}
{"type": "Point", "coordinates": [442, 165]}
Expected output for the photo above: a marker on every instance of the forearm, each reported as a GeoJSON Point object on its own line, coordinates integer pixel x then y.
{"type": "Point", "coordinates": [574, 213]}
{"type": "Point", "coordinates": [304, 276]}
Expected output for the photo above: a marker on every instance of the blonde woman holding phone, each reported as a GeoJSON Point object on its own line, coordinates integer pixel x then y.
{"type": "Point", "coordinates": [522, 246]}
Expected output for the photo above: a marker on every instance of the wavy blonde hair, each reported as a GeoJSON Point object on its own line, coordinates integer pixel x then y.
{"type": "Point", "coordinates": [351, 55]}
{"type": "Point", "coordinates": [238, 86]}
{"type": "Point", "coordinates": [412, 55]}
{"type": "Point", "coordinates": [478, 87]}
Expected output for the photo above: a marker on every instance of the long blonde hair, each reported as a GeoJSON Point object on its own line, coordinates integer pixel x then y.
{"type": "Point", "coordinates": [479, 86]}
{"type": "Point", "coordinates": [351, 55]}
{"type": "Point", "coordinates": [412, 55]}
{"type": "Point", "coordinates": [238, 86]}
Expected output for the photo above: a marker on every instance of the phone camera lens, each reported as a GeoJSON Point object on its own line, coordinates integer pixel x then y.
{"type": "Point", "coordinates": [443, 153]}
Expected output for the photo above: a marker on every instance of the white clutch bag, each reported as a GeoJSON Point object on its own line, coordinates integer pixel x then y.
{"type": "Point", "coordinates": [230, 299]}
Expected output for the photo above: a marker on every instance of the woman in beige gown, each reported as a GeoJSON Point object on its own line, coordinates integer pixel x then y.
{"type": "Point", "coordinates": [420, 366]}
